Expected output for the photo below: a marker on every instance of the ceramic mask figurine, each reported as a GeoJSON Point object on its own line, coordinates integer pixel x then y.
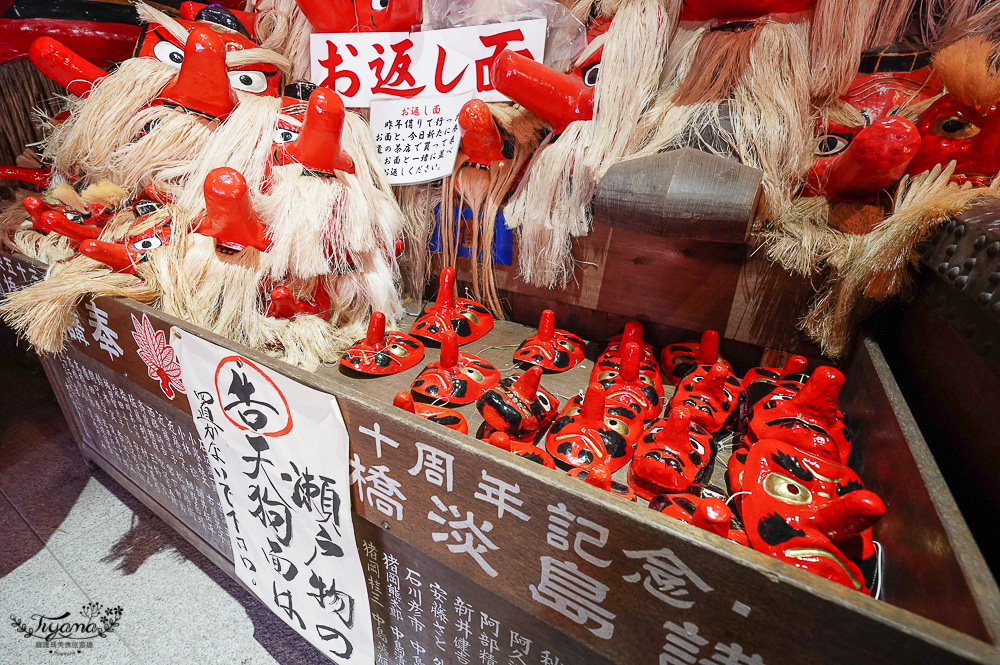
{"type": "Point", "coordinates": [632, 332]}
{"type": "Point", "coordinates": [705, 512]}
{"type": "Point", "coordinates": [466, 318]}
{"type": "Point", "coordinates": [679, 360]}
{"type": "Point", "coordinates": [229, 214]}
{"type": "Point", "coordinates": [810, 512]}
{"type": "Point", "coordinates": [124, 256]}
{"type": "Point", "coordinates": [857, 162]}
{"type": "Point", "coordinates": [436, 414]}
{"type": "Point", "coordinates": [314, 140]}
{"type": "Point", "coordinates": [711, 393]}
{"type": "Point", "coordinates": [549, 348]}
{"type": "Point", "coordinates": [672, 454]}
{"type": "Point", "coordinates": [481, 141]}
{"type": "Point", "coordinates": [599, 476]}
{"type": "Point", "coordinates": [457, 378]}
{"type": "Point", "coordinates": [380, 352]}
{"type": "Point", "coordinates": [523, 450]}
{"type": "Point", "coordinates": [630, 384]}
{"type": "Point", "coordinates": [518, 405]}
{"type": "Point", "coordinates": [593, 428]}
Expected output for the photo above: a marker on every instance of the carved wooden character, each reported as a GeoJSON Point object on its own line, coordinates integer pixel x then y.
{"type": "Point", "coordinates": [466, 318]}
{"type": "Point", "coordinates": [679, 360]}
{"type": "Point", "coordinates": [628, 385]}
{"type": "Point", "coordinates": [710, 392]}
{"type": "Point", "coordinates": [518, 405]}
{"type": "Point", "coordinates": [457, 378]}
{"type": "Point", "coordinates": [524, 450]}
{"type": "Point", "coordinates": [599, 476]}
{"type": "Point", "coordinates": [593, 428]}
{"type": "Point", "coordinates": [810, 512]}
{"type": "Point", "coordinates": [705, 512]}
{"type": "Point", "coordinates": [436, 414]}
{"type": "Point", "coordinates": [382, 352]}
{"type": "Point", "coordinates": [549, 348]}
{"type": "Point", "coordinates": [672, 454]}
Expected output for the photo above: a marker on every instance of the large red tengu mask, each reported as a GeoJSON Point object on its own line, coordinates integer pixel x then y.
{"type": "Point", "coordinates": [593, 428]}
{"type": "Point", "coordinates": [556, 98]}
{"type": "Point", "coordinates": [808, 420]}
{"type": "Point", "coordinates": [518, 405]}
{"type": "Point", "coordinates": [549, 348]}
{"type": "Point", "coordinates": [229, 215]}
{"type": "Point", "coordinates": [679, 360]}
{"type": "Point", "coordinates": [362, 15]}
{"type": "Point", "coordinates": [859, 162]}
{"type": "Point", "coordinates": [382, 352]}
{"type": "Point", "coordinates": [629, 383]}
{"type": "Point", "coordinates": [466, 318]}
{"type": "Point", "coordinates": [705, 512]}
{"type": "Point", "coordinates": [315, 141]}
{"type": "Point", "coordinates": [711, 393]}
{"type": "Point", "coordinates": [810, 512]}
{"type": "Point", "coordinates": [125, 255]}
{"type": "Point", "coordinates": [671, 455]}
{"type": "Point", "coordinates": [458, 378]}
{"type": "Point", "coordinates": [436, 414]}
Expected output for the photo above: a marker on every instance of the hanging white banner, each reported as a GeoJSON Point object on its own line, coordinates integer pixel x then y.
{"type": "Point", "coordinates": [279, 455]}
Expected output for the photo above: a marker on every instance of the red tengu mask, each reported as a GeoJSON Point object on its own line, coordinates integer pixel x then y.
{"type": "Point", "coordinates": [481, 140]}
{"type": "Point", "coordinates": [709, 513]}
{"type": "Point", "coordinates": [556, 98]}
{"type": "Point", "coordinates": [671, 455]}
{"type": "Point", "coordinates": [524, 450]}
{"type": "Point", "coordinates": [710, 392]}
{"type": "Point", "coordinates": [282, 303]}
{"type": "Point", "coordinates": [382, 352]}
{"type": "Point", "coordinates": [229, 215]}
{"type": "Point", "coordinates": [466, 318]}
{"type": "Point", "coordinates": [593, 428]}
{"type": "Point", "coordinates": [679, 360]}
{"type": "Point", "coordinates": [630, 384]}
{"type": "Point", "coordinates": [599, 476]}
{"type": "Point", "coordinates": [859, 162]}
{"type": "Point", "coordinates": [436, 414]}
{"type": "Point", "coordinates": [123, 256]}
{"type": "Point", "coordinates": [810, 512]}
{"type": "Point", "coordinates": [458, 378]}
{"type": "Point", "coordinates": [362, 15]}
{"type": "Point", "coordinates": [518, 405]}
{"type": "Point", "coordinates": [551, 349]}
{"type": "Point", "coordinates": [611, 355]}
{"type": "Point", "coordinates": [315, 142]}
{"type": "Point", "coordinates": [588, 70]}
{"type": "Point", "coordinates": [808, 420]}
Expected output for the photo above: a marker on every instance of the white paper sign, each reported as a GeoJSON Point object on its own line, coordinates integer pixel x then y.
{"type": "Point", "coordinates": [278, 452]}
{"type": "Point", "coordinates": [434, 63]}
{"type": "Point", "coordinates": [417, 140]}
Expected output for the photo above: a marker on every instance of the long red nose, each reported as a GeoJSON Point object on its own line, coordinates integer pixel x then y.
{"type": "Point", "coordinates": [318, 146]}
{"type": "Point", "coordinates": [61, 64]}
{"type": "Point", "coordinates": [875, 160]}
{"type": "Point", "coordinates": [115, 255]}
{"type": "Point", "coordinates": [202, 84]}
{"type": "Point", "coordinates": [229, 215]}
{"type": "Point", "coordinates": [558, 99]}
{"type": "Point", "coordinates": [376, 330]}
{"type": "Point", "coordinates": [36, 177]}
{"type": "Point", "coordinates": [55, 221]}
{"type": "Point", "coordinates": [480, 137]}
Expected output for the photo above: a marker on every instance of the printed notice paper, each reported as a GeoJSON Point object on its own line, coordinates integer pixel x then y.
{"type": "Point", "coordinates": [414, 65]}
{"type": "Point", "coordinates": [278, 453]}
{"type": "Point", "coordinates": [417, 140]}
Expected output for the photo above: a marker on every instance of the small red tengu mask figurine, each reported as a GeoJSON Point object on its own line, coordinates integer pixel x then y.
{"type": "Point", "coordinates": [229, 215]}
{"type": "Point", "coordinates": [481, 140]}
{"type": "Point", "coordinates": [705, 512]}
{"type": "Point", "coordinates": [963, 125]}
{"type": "Point", "coordinates": [436, 414]}
{"type": "Point", "coordinates": [458, 378]}
{"type": "Point", "coordinates": [793, 370]}
{"type": "Point", "coordinates": [599, 475]}
{"type": "Point", "coordinates": [528, 438]}
{"type": "Point", "coordinates": [808, 420]}
{"type": "Point", "coordinates": [679, 360]}
{"type": "Point", "coordinates": [556, 98]}
{"type": "Point", "coordinates": [711, 393]}
{"type": "Point", "coordinates": [124, 256]}
{"type": "Point", "coordinates": [523, 450]}
{"type": "Point", "coordinates": [282, 303]}
{"type": "Point", "coordinates": [628, 385]}
{"type": "Point", "coordinates": [518, 405]}
{"type": "Point", "coordinates": [549, 348]}
{"type": "Point", "coordinates": [382, 352]}
{"type": "Point", "coordinates": [672, 454]}
{"type": "Point", "coordinates": [727, 11]}
{"type": "Point", "coordinates": [315, 142]}
{"type": "Point", "coordinates": [96, 216]}
{"type": "Point", "coordinates": [362, 15]}
{"type": "Point", "coordinates": [466, 318]}
{"type": "Point", "coordinates": [612, 352]}
{"type": "Point", "coordinates": [593, 428]}
{"type": "Point", "coordinates": [810, 512]}
{"type": "Point", "coordinates": [858, 162]}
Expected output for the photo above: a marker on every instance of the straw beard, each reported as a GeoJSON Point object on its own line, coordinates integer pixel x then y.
{"type": "Point", "coordinates": [483, 192]}
{"type": "Point", "coordinates": [552, 204]}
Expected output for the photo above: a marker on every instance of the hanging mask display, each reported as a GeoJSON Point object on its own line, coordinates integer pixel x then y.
{"type": "Point", "coordinates": [457, 378]}
{"type": "Point", "coordinates": [549, 348]}
{"type": "Point", "coordinates": [382, 353]}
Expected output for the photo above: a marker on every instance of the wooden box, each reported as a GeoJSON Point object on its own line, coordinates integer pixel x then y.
{"type": "Point", "coordinates": [648, 589]}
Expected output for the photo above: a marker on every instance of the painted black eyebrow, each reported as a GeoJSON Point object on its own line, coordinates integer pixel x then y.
{"type": "Point", "coordinates": [792, 466]}
{"type": "Point", "coordinates": [848, 487]}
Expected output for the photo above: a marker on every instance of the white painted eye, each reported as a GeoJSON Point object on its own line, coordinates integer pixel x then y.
{"type": "Point", "coordinates": [168, 53]}
{"type": "Point", "coordinates": [589, 74]}
{"type": "Point", "coordinates": [698, 448]}
{"type": "Point", "coordinates": [380, 5]}
{"type": "Point", "coordinates": [829, 145]}
{"type": "Point", "coordinates": [282, 135]}
{"type": "Point", "coordinates": [147, 244]}
{"type": "Point", "coordinates": [248, 80]}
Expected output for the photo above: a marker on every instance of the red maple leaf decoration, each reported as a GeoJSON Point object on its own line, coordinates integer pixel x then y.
{"type": "Point", "coordinates": [158, 356]}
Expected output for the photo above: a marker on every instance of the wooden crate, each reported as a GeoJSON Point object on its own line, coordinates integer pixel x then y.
{"type": "Point", "coordinates": [940, 605]}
